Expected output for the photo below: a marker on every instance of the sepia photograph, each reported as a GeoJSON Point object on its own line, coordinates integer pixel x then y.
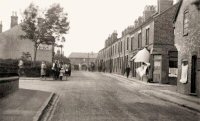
{"type": "Point", "coordinates": [99, 60]}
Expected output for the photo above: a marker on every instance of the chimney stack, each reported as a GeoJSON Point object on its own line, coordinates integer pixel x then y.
{"type": "Point", "coordinates": [136, 23]}
{"type": "Point", "coordinates": [1, 26]}
{"type": "Point", "coordinates": [140, 20]}
{"type": "Point", "coordinates": [164, 5]}
{"type": "Point", "coordinates": [14, 19]}
{"type": "Point", "coordinates": [149, 10]}
{"type": "Point", "coordinates": [114, 35]}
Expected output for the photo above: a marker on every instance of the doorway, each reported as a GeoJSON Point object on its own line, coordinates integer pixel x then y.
{"type": "Point", "coordinates": [193, 74]}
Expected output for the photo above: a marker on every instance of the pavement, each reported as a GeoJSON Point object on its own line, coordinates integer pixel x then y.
{"type": "Point", "coordinates": [24, 105]}
{"type": "Point", "coordinates": [167, 93]}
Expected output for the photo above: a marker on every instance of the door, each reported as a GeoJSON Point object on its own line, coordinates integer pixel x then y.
{"type": "Point", "coordinates": [193, 74]}
{"type": "Point", "coordinates": [157, 68]}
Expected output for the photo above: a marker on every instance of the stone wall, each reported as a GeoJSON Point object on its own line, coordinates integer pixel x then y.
{"type": "Point", "coordinates": [8, 85]}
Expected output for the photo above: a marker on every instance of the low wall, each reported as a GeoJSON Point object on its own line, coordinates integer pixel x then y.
{"type": "Point", "coordinates": [8, 85]}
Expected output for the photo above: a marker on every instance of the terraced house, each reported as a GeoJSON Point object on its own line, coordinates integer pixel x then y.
{"type": "Point", "coordinates": [12, 46]}
{"type": "Point", "coordinates": [187, 41]}
{"type": "Point", "coordinates": [153, 31]}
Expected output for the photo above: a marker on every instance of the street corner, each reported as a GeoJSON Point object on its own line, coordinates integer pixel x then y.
{"type": "Point", "coordinates": [24, 105]}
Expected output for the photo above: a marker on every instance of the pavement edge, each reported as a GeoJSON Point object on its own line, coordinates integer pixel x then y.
{"type": "Point", "coordinates": [41, 111]}
{"type": "Point", "coordinates": [161, 98]}
{"type": "Point", "coordinates": [177, 103]}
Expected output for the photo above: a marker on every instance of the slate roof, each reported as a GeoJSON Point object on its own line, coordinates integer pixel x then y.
{"type": "Point", "coordinates": [82, 55]}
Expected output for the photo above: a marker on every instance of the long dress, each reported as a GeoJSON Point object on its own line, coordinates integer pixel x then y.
{"type": "Point", "coordinates": [43, 70]}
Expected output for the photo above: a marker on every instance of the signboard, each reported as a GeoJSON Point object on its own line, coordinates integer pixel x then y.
{"type": "Point", "coordinates": [44, 47]}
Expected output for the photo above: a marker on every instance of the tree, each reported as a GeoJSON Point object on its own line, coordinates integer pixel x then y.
{"type": "Point", "coordinates": [44, 30]}
{"type": "Point", "coordinates": [26, 56]}
{"type": "Point", "coordinates": [33, 26]}
{"type": "Point", "coordinates": [56, 21]}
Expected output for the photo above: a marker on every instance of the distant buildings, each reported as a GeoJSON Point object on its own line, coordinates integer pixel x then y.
{"type": "Point", "coordinates": [12, 46]}
{"type": "Point", "coordinates": [153, 31]}
{"type": "Point", "coordinates": [83, 61]}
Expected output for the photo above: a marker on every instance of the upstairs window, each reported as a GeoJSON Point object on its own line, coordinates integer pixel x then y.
{"type": "Point", "coordinates": [132, 39]}
{"type": "Point", "coordinates": [139, 40]}
{"type": "Point", "coordinates": [147, 36]}
{"type": "Point", "coordinates": [185, 22]}
{"type": "Point", "coordinates": [127, 44]}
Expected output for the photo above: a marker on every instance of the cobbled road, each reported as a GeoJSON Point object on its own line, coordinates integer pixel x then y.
{"type": "Point", "coordinates": [92, 96]}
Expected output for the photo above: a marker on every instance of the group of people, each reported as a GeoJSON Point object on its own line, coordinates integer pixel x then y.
{"type": "Point", "coordinates": [59, 70]}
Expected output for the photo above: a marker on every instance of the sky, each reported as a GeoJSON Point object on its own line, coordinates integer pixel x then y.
{"type": "Point", "coordinates": [91, 21]}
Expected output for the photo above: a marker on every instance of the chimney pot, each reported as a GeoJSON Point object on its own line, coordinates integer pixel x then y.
{"type": "Point", "coordinates": [14, 20]}
{"type": "Point", "coordinates": [164, 5]}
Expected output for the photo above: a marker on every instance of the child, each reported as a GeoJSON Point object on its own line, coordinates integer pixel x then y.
{"type": "Point", "coordinates": [62, 71]}
{"type": "Point", "coordinates": [43, 70]}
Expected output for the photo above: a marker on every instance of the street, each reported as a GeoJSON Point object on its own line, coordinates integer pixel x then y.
{"type": "Point", "coordinates": [88, 96]}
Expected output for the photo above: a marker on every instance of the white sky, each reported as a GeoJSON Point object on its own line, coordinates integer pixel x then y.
{"type": "Point", "coordinates": [91, 21]}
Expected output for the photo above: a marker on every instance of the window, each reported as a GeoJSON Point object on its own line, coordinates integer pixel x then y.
{"type": "Point", "coordinates": [127, 44]}
{"type": "Point", "coordinates": [139, 40]}
{"type": "Point", "coordinates": [185, 22]}
{"type": "Point", "coordinates": [121, 46]}
{"type": "Point", "coordinates": [132, 39]}
{"type": "Point", "coordinates": [147, 36]}
{"type": "Point", "coordinates": [116, 48]}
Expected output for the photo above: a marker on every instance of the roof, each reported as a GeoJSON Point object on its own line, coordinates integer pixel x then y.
{"type": "Point", "coordinates": [14, 31]}
{"type": "Point", "coordinates": [83, 55]}
{"type": "Point", "coordinates": [177, 10]}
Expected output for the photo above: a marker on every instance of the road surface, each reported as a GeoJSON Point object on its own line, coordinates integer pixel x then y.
{"type": "Point", "coordinates": [88, 96]}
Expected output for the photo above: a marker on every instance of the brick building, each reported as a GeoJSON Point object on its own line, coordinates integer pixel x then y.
{"type": "Point", "coordinates": [153, 31]}
{"type": "Point", "coordinates": [187, 36]}
{"type": "Point", "coordinates": [82, 61]}
{"type": "Point", "coordinates": [12, 46]}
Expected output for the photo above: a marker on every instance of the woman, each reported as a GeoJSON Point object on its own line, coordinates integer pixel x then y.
{"type": "Point", "coordinates": [43, 70]}
{"type": "Point", "coordinates": [21, 66]}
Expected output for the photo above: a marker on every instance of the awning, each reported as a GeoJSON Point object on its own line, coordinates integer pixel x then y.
{"type": "Point", "coordinates": [142, 56]}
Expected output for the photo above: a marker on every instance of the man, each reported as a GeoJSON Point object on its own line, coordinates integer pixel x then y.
{"type": "Point", "coordinates": [127, 70]}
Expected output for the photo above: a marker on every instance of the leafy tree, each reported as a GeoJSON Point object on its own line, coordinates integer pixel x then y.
{"type": "Point", "coordinates": [62, 58]}
{"type": "Point", "coordinates": [44, 30]}
{"type": "Point", "coordinates": [56, 21]}
{"type": "Point", "coordinates": [26, 56]}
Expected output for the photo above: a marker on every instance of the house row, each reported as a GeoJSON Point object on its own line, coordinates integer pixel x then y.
{"type": "Point", "coordinates": [162, 46]}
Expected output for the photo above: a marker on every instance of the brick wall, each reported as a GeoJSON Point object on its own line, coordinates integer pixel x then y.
{"type": "Point", "coordinates": [188, 45]}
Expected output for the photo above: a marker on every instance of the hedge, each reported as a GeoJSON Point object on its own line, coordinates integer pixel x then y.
{"type": "Point", "coordinates": [9, 67]}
